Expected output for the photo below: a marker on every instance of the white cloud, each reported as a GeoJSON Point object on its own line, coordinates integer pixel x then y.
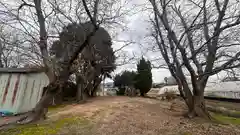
{"type": "Point", "coordinates": [138, 27]}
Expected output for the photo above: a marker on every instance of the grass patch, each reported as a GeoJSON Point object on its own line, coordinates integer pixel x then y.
{"type": "Point", "coordinates": [56, 107]}
{"type": "Point", "coordinates": [65, 125]}
{"type": "Point", "coordinates": [225, 119]}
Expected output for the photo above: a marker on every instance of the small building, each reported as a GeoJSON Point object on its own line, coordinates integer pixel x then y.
{"type": "Point", "coordinates": [21, 88]}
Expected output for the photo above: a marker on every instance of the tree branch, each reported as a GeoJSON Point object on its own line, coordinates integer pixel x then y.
{"type": "Point", "coordinates": [24, 4]}
{"type": "Point", "coordinates": [89, 14]}
{"type": "Point", "coordinates": [95, 10]}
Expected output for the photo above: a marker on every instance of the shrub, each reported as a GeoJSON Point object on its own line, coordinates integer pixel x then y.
{"type": "Point", "coordinates": [121, 91]}
{"type": "Point", "coordinates": [126, 78]}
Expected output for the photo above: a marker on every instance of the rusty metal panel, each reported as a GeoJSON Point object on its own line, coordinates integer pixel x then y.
{"type": "Point", "coordinates": [9, 86]}
{"type": "Point", "coordinates": [21, 92]}
{"type": "Point", "coordinates": [33, 90]}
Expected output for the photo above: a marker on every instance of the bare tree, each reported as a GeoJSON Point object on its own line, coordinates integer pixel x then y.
{"type": "Point", "coordinates": [11, 54]}
{"type": "Point", "coordinates": [56, 80]}
{"type": "Point", "coordinates": [191, 37]}
{"type": "Point", "coordinates": [41, 21]}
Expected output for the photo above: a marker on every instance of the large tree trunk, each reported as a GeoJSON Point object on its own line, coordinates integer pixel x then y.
{"type": "Point", "coordinates": [94, 91]}
{"type": "Point", "coordinates": [93, 80]}
{"type": "Point", "coordinates": [194, 101]}
{"type": "Point", "coordinates": [97, 82]}
{"type": "Point", "coordinates": [79, 92]}
{"type": "Point", "coordinates": [188, 98]}
{"type": "Point", "coordinates": [79, 95]}
{"type": "Point", "coordinates": [197, 106]}
{"type": "Point", "coordinates": [88, 89]}
{"type": "Point", "coordinates": [41, 108]}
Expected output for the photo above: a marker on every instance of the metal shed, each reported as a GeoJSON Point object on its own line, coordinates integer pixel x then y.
{"type": "Point", "coordinates": [21, 88]}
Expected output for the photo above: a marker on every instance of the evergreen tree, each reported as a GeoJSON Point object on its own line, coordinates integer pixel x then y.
{"type": "Point", "coordinates": [123, 80]}
{"type": "Point", "coordinates": [143, 80]}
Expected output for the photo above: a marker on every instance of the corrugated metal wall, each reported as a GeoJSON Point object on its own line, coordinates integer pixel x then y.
{"type": "Point", "coordinates": [20, 92]}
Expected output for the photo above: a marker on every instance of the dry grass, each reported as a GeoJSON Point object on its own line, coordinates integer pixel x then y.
{"type": "Point", "coordinates": [147, 117]}
{"type": "Point", "coordinates": [129, 116]}
{"type": "Point", "coordinates": [228, 105]}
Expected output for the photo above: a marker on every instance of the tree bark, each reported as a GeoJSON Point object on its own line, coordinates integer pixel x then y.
{"type": "Point", "coordinates": [197, 107]}
{"type": "Point", "coordinates": [188, 98]}
{"type": "Point", "coordinates": [43, 41]}
{"type": "Point", "coordinates": [79, 95]}
{"type": "Point", "coordinates": [97, 82]}
{"type": "Point", "coordinates": [88, 89]}
{"type": "Point", "coordinates": [41, 108]}
{"type": "Point", "coordinates": [1, 53]}
{"type": "Point", "coordinates": [79, 92]}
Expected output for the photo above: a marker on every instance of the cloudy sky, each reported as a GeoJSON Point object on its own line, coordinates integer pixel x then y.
{"type": "Point", "coordinates": [138, 27]}
{"type": "Point", "coordinates": [137, 30]}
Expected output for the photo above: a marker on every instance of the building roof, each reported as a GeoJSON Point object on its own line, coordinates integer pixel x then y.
{"type": "Point", "coordinates": [21, 70]}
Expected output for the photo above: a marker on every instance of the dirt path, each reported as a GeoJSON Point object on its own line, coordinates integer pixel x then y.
{"type": "Point", "coordinates": [141, 116]}
{"type": "Point", "coordinates": [128, 116]}
{"type": "Point", "coordinates": [91, 107]}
